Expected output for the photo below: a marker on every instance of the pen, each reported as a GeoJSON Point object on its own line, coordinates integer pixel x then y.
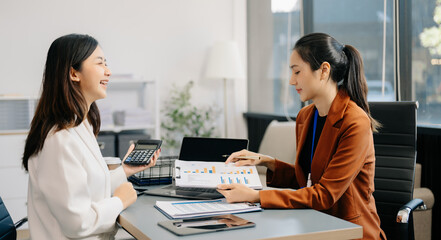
{"type": "Point", "coordinates": [245, 157]}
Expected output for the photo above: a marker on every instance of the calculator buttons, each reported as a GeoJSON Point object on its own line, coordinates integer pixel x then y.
{"type": "Point", "coordinates": [139, 156]}
{"type": "Point", "coordinates": [143, 152]}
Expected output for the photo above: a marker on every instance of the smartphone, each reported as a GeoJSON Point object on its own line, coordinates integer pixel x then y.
{"type": "Point", "coordinates": [205, 224]}
{"type": "Point", "coordinates": [143, 152]}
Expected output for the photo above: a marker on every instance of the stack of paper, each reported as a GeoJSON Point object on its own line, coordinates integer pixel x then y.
{"type": "Point", "coordinates": [188, 209]}
{"type": "Point", "coordinates": [137, 117]}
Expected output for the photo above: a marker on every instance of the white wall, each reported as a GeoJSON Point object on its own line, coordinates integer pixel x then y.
{"type": "Point", "coordinates": [168, 40]}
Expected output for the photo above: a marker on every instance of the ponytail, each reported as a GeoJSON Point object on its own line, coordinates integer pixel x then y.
{"type": "Point", "coordinates": [354, 82]}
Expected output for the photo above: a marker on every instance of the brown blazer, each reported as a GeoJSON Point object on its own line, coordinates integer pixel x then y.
{"type": "Point", "coordinates": [342, 170]}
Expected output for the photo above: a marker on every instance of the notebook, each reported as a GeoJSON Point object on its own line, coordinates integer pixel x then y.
{"type": "Point", "coordinates": [200, 149]}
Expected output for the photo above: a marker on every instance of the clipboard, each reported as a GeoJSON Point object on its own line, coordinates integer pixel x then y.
{"type": "Point", "coordinates": [191, 226]}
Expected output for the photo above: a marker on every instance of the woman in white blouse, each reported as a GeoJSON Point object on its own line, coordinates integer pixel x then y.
{"type": "Point", "coordinates": [72, 193]}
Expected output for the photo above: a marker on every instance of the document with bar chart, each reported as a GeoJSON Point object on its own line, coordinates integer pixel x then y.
{"type": "Point", "coordinates": [210, 174]}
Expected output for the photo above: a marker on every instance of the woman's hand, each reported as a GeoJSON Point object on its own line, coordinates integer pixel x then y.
{"type": "Point", "coordinates": [248, 158]}
{"type": "Point", "coordinates": [126, 193]}
{"type": "Point", "coordinates": [244, 158]}
{"type": "Point", "coordinates": [132, 169]}
{"type": "Point", "coordinates": [238, 193]}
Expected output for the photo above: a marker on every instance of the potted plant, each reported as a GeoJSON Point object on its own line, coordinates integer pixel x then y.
{"type": "Point", "coordinates": [182, 119]}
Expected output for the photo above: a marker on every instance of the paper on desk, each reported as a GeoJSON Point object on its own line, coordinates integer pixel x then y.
{"type": "Point", "coordinates": [210, 174]}
{"type": "Point", "coordinates": [188, 209]}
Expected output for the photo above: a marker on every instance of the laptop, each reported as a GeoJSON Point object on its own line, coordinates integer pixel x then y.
{"type": "Point", "coordinates": [200, 149]}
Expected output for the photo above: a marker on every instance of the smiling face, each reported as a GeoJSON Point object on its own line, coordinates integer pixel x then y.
{"type": "Point", "coordinates": [307, 82]}
{"type": "Point", "coordinates": [93, 76]}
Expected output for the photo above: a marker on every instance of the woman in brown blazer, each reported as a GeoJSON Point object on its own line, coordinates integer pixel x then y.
{"type": "Point", "coordinates": [335, 164]}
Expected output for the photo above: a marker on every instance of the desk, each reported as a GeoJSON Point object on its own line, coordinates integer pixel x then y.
{"type": "Point", "coordinates": [141, 218]}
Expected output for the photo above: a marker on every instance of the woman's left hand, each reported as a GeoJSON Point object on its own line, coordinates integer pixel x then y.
{"type": "Point", "coordinates": [238, 193]}
{"type": "Point", "coordinates": [132, 169]}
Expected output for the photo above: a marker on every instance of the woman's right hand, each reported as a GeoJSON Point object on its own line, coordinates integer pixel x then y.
{"type": "Point", "coordinates": [240, 159]}
{"type": "Point", "coordinates": [126, 193]}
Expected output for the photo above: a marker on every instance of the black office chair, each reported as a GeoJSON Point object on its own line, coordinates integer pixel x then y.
{"type": "Point", "coordinates": [8, 230]}
{"type": "Point", "coordinates": [395, 152]}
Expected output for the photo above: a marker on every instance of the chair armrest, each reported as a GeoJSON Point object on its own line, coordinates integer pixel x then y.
{"type": "Point", "coordinates": [21, 222]}
{"type": "Point", "coordinates": [405, 211]}
{"type": "Point", "coordinates": [413, 204]}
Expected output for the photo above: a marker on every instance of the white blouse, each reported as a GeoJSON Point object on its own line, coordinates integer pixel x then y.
{"type": "Point", "coordinates": [70, 188]}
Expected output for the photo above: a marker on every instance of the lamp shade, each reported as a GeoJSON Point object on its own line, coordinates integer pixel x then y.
{"type": "Point", "coordinates": [224, 61]}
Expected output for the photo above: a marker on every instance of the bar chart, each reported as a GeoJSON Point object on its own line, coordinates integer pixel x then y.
{"type": "Point", "coordinates": [211, 174]}
{"type": "Point", "coordinates": [230, 180]}
{"type": "Point", "coordinates": [212, 169]}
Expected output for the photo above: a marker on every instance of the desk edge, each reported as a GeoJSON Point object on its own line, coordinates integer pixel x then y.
{"type": "Point", "coordinates": [135, 232]}
{"type": "Point", "coordinates": [351, 233]}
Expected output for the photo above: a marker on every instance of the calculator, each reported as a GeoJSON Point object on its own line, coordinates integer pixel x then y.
{"type": "Point", "coordinates": [143, 152]}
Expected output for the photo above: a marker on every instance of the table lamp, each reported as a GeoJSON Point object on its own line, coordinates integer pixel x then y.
{"type": "Point", "coordinates": [224, 63]}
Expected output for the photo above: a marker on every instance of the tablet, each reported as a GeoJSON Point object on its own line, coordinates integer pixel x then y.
{"type": "Point", "coordinates": [205, 224]}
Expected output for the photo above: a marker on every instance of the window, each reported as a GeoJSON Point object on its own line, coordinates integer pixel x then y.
{"type": "Point", "coordinates": [426, 60]}
{"type": "Point", "coordinates": [363, 25]}
{"type": "Point", "coordinates": [274, 27]}
{"type": "Point", "coordinates": [369, 25]}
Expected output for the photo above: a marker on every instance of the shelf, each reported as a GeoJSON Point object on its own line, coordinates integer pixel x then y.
{"type": "Point", "coordinates": [14, 132]}
{"type": "Point", "coordinates": [17, 97]}
{"type": "Point", "coordinates": [127, 93]}
{"type": "Point", "coordinates": [118, 129]}
{"type": "Point", "coordinates": [117, 81]}
{"type": "Point", "coordinates": [128, 84]}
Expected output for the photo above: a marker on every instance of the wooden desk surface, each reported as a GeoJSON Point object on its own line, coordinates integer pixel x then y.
{"type": "Point", "coordinates": [142, 217]}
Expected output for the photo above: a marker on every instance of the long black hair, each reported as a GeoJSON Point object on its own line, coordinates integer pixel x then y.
{"type": "Point", "coordinates": [346, 66]}
{"type": "Point", "coordinates": [61, 105]}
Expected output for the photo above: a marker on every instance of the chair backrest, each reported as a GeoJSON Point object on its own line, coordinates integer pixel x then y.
{"type": "Point", "coordinates": [7, 227]}
{"type": "Point", "coordinates": [395, 152]}
{"type": "Point", "coordinates": [279, 141]}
